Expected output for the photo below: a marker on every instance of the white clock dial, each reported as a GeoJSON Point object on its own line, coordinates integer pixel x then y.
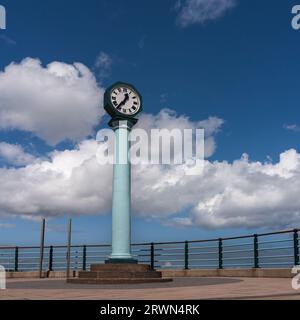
{"type": "Point", "coordinates": [125, 100]}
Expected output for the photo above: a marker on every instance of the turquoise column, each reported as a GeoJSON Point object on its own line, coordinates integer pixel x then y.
{"type": "Point", "coordinates": [121, 199]}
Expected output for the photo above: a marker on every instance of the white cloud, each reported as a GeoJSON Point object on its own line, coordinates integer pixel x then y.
{"type": "Point", "coordinates": [103, 65]}
{"type": "Point", "coordinates": [168, 119]}
{"type": "Point", "coordinates": [15, 154]}
{"type": "Point", "coordinates": [238, 194]}
{"type": "Point", "coordinates": [62, 101]}
{"type": "Point", "coordinates": [73, 182]}
{"type": "Point", "coordinates": [56, 102]}
{"type": "Point", "coordinates": [200, 11]}
{"type": "Point", "coordinates": [292, 127]}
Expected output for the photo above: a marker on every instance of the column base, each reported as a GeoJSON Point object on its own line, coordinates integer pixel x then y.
{"type": "Point", "coordinates": [119, 273]}
{"type": "Point", "coordinates": [121, 261]}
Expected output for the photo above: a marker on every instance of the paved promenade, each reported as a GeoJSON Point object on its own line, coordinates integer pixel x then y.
{"type": "Point", "coordinates": [180, 288]}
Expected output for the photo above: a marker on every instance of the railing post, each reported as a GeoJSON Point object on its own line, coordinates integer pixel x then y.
{"type": "Point", "coordinates": [220, 253]}
{"type": "Point", "coordinates": [51, 259]}
{"type": "Point", "coordinates": [69, 249]}
{"type": "Point", "coordinates": [84, 258]}
{"type": "Point", "coordinates": [296, 247]}
{"type": "Point", "coordinates": [186, 255]}
{"type": "Point", "coordinates": [256, 258]}
{"type": "Point", "coordinates": [16, 259]}
{"type": "Point", "coordinates": [42, 245]}
{"type": "Point", "coordinates": [152, 256]}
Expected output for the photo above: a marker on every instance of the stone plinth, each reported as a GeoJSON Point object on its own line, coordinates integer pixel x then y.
{"type": "Point", "coordinates": [119, 274]}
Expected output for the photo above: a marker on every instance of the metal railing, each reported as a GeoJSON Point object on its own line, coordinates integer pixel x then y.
{"type": "Point", "coordinates": [266, 250]}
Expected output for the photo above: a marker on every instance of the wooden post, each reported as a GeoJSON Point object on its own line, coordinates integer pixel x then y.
{"type": "Point", "coordinates": [42, 246]}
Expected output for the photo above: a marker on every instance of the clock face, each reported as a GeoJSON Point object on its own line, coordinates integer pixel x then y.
{"type": "Point", "coordinates": [125, 100]}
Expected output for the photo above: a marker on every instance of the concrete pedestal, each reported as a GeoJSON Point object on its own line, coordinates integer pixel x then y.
{"type": "Point", "coordinates": [119, 274]}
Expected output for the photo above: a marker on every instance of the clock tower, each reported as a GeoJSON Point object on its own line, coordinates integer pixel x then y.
{"type": "Point", "coordinates": [122, 102]}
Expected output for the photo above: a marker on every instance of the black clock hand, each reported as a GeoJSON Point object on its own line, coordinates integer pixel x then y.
{"type": "Point", "coordinates": [124, 101]}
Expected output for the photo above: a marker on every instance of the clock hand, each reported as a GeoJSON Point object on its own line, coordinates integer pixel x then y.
{"type": "Point", "coordinates": [124, 101]}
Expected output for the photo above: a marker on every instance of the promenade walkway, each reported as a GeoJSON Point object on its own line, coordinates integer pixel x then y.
{"type": "Point", "coordinates": [180, 288]}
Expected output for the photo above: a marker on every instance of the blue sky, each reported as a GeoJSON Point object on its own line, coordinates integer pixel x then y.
{"type": "Point", "coordinates": [240, 66]}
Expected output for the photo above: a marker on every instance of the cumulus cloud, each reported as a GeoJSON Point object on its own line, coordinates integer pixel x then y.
{"type": "Point", "coordinates": [14, 154]}
{"type": "Point", "coordinates": [62, 101]}
{"type": "Point", "coordinates": [238, 194]}
{"type": "Point", "coordinates": [243, 193]}
{"type": "Point", "coordinates": [73, 181]}
{"type": "Point", "coordinates": [169, 119]}
{"type": "Point", "coordinates": [70, 182]}
{"type": "Point", "coordinates": [56, 102]}
{"type": "Point", "coordinates": [200, 11]}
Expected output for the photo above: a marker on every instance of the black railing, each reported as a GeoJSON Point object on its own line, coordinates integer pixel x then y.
{"type": "Point", "coordinates": [268, 250]}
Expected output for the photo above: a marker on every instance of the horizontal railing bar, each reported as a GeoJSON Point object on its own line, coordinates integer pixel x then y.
{"type": "Point", "coordinates": [200, 253]}
{"type": "Point", "coordinates": [169, 248]}
{"type": "Point", "coordinates": [240, 258]}
{"type": "Point", "coordinates": [275, 241]}
{"type": "Point", "coordinates": [169, 255]}
{"type": "Point", "coordinates": [206, 247]}
{"type": "Point", "coordinates": [235, 251]}
{"type": "Point", "coordinates": [143, 255]}
{"type": "Point", "coordinates": [273, 257]}
{"type": "Point", "coordinates": [238, 264]}
{"type": "Point", "coordinates": [164, 252]}
{"type": "Point", "coordinates": [102, 252]}
{"type": "Point", "coordinates": [21, 252]}
{"type": "Point", "coordinates": [169, 267]}
{"type": "Point", "coordinates": [195, 259]}
{"type": "Point", "coordinates": [173, 260]}
{"type": "Point", "coordinates": [205, 266]}
{"type": "Point", "coordinates": [275, 248]}
{"type": "Point", "coordinates": [28, 263]}
{"type": "Point", "coordinates": [172, 249]}
{"type": "Point", "coordinates": [26, 259]}
{"type": "Point", "coordinates": [237, 245]}
{"type": "Point", "coordinates": [274, 263]}
{"type": "Point", "coordinates": [156, 243]}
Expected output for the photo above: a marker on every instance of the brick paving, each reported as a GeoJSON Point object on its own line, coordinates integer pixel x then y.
{"type": "Point", "coordinates": [180, 288]}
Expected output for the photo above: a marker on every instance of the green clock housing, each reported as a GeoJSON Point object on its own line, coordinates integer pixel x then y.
{"type": "Point", "coordinates": [122, 101]}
